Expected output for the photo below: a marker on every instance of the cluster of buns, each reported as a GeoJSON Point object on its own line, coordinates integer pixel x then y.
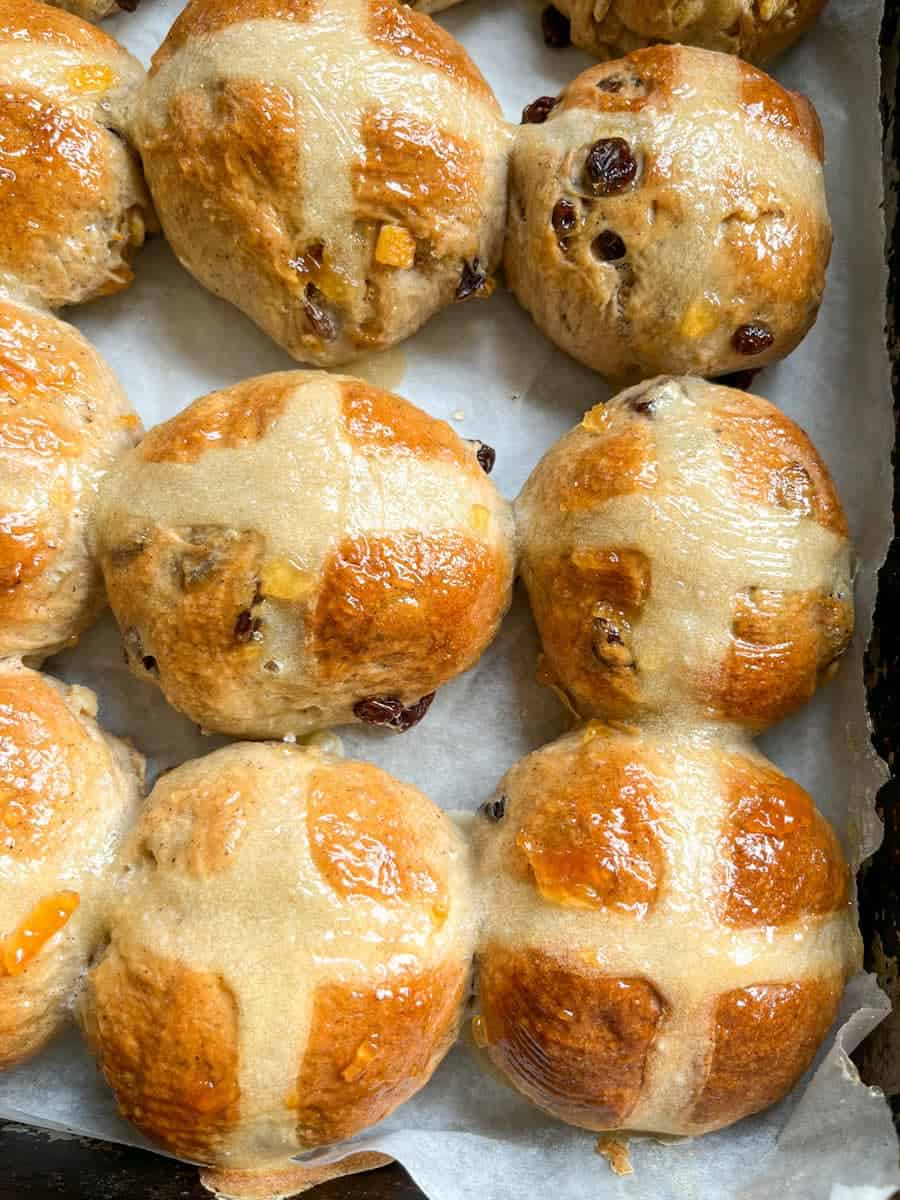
{"type": "Point", "coordinates": [668, 922]}
{"type": "Point", "coordinates": [274, 951]}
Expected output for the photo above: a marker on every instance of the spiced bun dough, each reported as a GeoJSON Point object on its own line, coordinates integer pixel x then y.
{"type": "Point", "coordinates": [67, 793]}
{"type": "Point", "coordinates": [304, 550]}
{"type": "Point", "coordinates": [668, 930]}
{"type": "Point", "coordinates": [63, 421]}
{"type": "Point", "coordinates": [754, 32]}
{"type": "Point", "coordinates": [289, 952]}
{"type": "Point", "coordinates": [74, 203]}
{"type": "Point", "coordinates": [337, 171]}
{"type": "Point", "coordinates": [686, 555]}
{"type": "Point", "coordinates": [667, 214]}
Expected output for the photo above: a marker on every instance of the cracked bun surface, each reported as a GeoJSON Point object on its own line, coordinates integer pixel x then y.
{"type": "Point", "coordinates": [667, 214]}
{"type": "Point", "coordinates": [289, 951]}
{"type": "Point", "coordinates": [336, 170]}
{"type": "Point", "coordinates": [668, 930]}
{"type": "Point", "coordinates": [754, 32]}
{"type": "Point", "coordinates": [68, 791]}
{"type": "Point", "coordinates": [685, 552]}
{"type": "Point", "coordinates": [73, 199]}
{"type": "Point", "coordinates": [303, 550]}
{"type": "Point", "coordinates": [63, 421]}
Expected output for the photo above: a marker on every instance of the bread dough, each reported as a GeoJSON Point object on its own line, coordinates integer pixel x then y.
{"type": "Point", "coordinates": [336, 171]}
{"type": "Point", "coordinates": [303, 550]}
{"type": "Point", "coordinates": [288, 956]}
{"type": "Point", "coordinates": [68, 791]}
{"type": "Point", "coordinates": [668, 214]}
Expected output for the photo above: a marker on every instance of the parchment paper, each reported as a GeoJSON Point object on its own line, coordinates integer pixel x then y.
{"type": "Point", "coordinates": [485, 367]}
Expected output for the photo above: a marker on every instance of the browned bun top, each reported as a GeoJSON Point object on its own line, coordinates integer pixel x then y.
{"type": "Point", "coordinates": [668, 929]}
{"type": "Point", "coordinates": [686, 554]}
{"type": "Point", "coordinates": [288, 956]}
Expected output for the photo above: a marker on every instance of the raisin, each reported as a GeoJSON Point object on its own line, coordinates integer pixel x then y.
{"type": "Point", "coordinates": [752, 338]}
{"type": "Point", "coordinates": [495, 810]}
{"type": "Point", "coordinates": [608, 246]}
{"type": "Point", "coordinates": [537, 112]}
{"type": "Point", "coordinates": [556, 28]}
{"type": "Point", "coordinates": [148, 662]}
{"type": "Point", "coordinates": [610, 166]}
{"type": "Point", "coordinates": [564, 217]}
{"type": "Point", "coordinates": [471, 280]}
{"type": "Point", "coordinates": [391, 712]}
{"type": "Point", "coordinates": [245, 626]}
{"type": "Point", "coordinates": [486, 456]}
{"type": "Point", "coordinates": [612, 83]}
{"type": "Point", "coordinates": [322, 322]}
{"type": "Point", "coordinates": [128, 5]}
{"type": "Point", "coordinates": [739, 379]}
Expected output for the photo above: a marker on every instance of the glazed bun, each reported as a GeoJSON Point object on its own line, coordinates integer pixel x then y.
{"type": "Point", "coordinates": [685, 553]}
{"type": "Point", "coordinates": [668, 213]}
{"type": "Point", "coordinates": [756, 32]}
{"type": "Point", "coordinates": [63, 420]}
{"type": "Point", "coordinates": [73, 200]}
{"type": "Point", "coordinates": [289, 953]}
{"type": "Point", "coordinates": [336, 171]}
{"type": "Point", "coordinates": [67, 792]}
{"type": "Point", "coordinates": [303, 550]}
{"type": "Point", "coordinates": [668, 930]}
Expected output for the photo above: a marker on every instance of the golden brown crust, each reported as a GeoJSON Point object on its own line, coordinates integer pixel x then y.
{"type": "Point", "coordinates": [585, 603]}
{"type": "Point", "coordinates": [765, 1037]}
{"type": "Point", "coordinates": [178, 595]}
{"type": "Point", "coordinates": [230, 419]}
{"type": "Point", "coordinates": [31, 21]}
{"type": "Point", "coordinates": [783, 645]}
{"type": "Point", "coordinates": [789, 112]}
{"type": "Point", "coordinates": [400, 609]}
{"type": "Point", "coordinates": [166, 1040]}
{"type": "Point", "coordinates": [40, 738]}
{"type": "Point", "coordinates": [614, 466]}
{"type": "Point", "coordinates": [372, 836]}
{"type": "Point", "coordinates": [291, 1180]}
{"type": "Point", "coordinates": [371, 1047]}
{"type": "Point", "coordinates": [573, 1041]}
{"type": "Point", "coordinates": [203, 18]}
{"type": "Point", "coordinates": [376, 418]}
{"type": "Point", "coordinates": [770, 460]}
{"type": "Point", "coordinates": [401, 30]}
{"type": "Point", "coordinates": [48, 193]}
{"type": "Point", "coordinates": [783, 861]}
{"type": "Point", "coordinates": [587, 835]}
{"type": "Point", "coordinates": [420, 176]}
{"type": "Point", "coordinates": [627, 85]}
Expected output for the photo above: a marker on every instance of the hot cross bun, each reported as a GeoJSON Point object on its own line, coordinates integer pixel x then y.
{"type": "Point", "coordinates": [667, 213]}
{"type": "Point", "coordinates": [336, 171]}
{"type": "Point", "coordinates": [71, 192]}
{"type": "Point", "coordinates": [288, 954]}
{"type": "Point", "coordinates": [67, 793]}
{"type": "Point", "coordinates": [668, 929]}
{"type": "Point", "coordinates": [755, 32]}
{"type": "Point", "coordinates": [685, 552]}
{"type": "Point", "coordinates": [63, 421]}
{"type": "Point", "coordinates": [303, 550]}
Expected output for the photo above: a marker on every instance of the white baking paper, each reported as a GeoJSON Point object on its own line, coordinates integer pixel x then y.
{"type": "Point", "coordinates": [484, 367]}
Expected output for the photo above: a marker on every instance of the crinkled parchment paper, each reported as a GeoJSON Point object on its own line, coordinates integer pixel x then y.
{"type": "Point", "coordinates": [488, 370]}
